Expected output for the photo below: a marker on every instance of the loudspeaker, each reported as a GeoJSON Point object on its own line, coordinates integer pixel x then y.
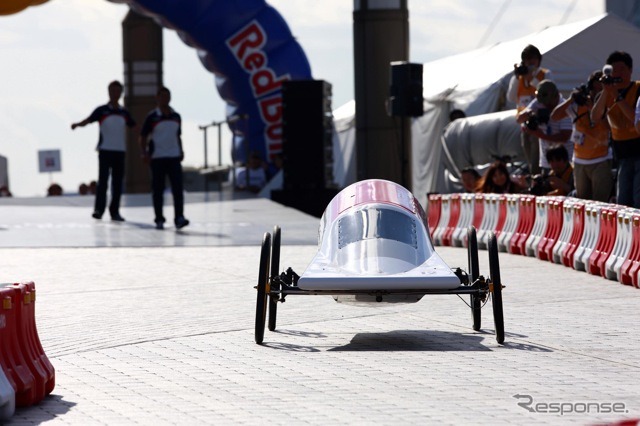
{"type": "Point", "coordinates": [307, 145]}
{"type": "Point", "coordinates": [405, 90]}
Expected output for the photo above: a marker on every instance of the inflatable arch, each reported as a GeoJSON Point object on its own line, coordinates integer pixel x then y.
{"type": "Point", "coordinates": [249, 48]}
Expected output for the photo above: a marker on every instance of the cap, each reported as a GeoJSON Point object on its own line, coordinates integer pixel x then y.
{"type": "Point", "coordinates": [547, 92]}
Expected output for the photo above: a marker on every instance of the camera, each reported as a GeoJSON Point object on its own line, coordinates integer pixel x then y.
{"type": "Point", "coordinates": [540, 185]}
{"type": "Point", "coordinates": [521, 69]}
{"type": "Point", "coordinates": [580, 94]}
{"type": "Point", "coordinates": [537, 118]}
{"type": "Point", "coordinates": [607, 78]}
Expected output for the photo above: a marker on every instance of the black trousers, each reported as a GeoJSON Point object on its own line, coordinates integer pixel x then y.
{"type": "Point", "coordinates": [161, 168]}
{"type": "Point", "coordinates": [109, 162]}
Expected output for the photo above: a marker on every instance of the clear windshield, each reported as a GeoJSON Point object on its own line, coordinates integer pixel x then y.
{"type": "Point", "coordinates": [377, 223]}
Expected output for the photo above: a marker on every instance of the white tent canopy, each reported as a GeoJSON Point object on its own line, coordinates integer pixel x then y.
{"type": "Point", "coordinates": [477, 81]}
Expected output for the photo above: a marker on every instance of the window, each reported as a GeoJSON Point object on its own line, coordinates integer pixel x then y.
{"type": "Point", "coordinates": [373, 223]}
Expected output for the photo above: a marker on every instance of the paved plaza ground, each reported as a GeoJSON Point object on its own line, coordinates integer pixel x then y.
{"type": "Point", "coordinates": [156, 327]}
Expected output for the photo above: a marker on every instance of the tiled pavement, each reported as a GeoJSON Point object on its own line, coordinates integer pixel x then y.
{"type": "Point", "coordinates": [156, 327]}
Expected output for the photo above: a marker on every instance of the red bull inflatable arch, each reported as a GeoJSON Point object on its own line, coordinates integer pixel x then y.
{"type": "Point", "coordinates": [249, 48]}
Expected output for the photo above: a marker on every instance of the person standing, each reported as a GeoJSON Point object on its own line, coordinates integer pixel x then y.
{"type": "Point", "coordinates": [592, 156]}
{"type": "Point", "coordinates": [617, 101]}
{"type": "Point", "coordinates": [161, 147]}
{"type": "Point", "coordinates": [536, 121]}
{"type": "Point", "coordinates": [113, 119]}
{"type": "Point", "coordinates": [522, 90]}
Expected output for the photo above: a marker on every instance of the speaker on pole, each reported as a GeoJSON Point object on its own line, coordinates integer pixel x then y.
{"type": "Point", "coordinates": [405, 90]}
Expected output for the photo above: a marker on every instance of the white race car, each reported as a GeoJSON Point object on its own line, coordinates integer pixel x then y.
{"type": "Point", "coordinates": [374, 247]}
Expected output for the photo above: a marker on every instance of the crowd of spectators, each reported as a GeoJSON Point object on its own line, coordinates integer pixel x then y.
{"type": "Point", "coordinates": [587, 145]}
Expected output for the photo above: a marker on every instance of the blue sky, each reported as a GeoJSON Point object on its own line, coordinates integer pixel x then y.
{"type": "Point", "coordinates": [58, 57]}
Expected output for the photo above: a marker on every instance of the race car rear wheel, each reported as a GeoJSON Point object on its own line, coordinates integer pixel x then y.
{"type": "Point", "coordinates": [496, 284]}
{"type": "Point", "coordinates": [275, 271]}
{"type": "Point", "coordinates": [474, 273]}
{"type": "Point", "coordinates": [263, 287]}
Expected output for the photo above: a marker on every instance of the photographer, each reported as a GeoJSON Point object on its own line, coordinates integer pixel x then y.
{"type": "Point", "coordinates": [591, 155]}
{"type": "Point", "coordinates": [536, 121]}
{"type": "Point", "coordinates": [617, 100]}
{"type": "Point", "coordinates": [522, 88]}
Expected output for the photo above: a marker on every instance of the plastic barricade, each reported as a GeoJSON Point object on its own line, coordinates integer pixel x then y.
{"type": "Point", "coordinates": [526, 219]}
{"type": "Point", "coordinates": [589, 236]}
{"type": "Point", "coordinates": [554, 228]}
{"type": "Point", "coordinates": [576, 234]}
{"type": "Point", "coordinates": [629, 268]}
{"type": "Point", "coordinates": [567, 229]}
{"type": "Point", "coordinates": [622, 245]}
{"type": "Point", "coordinates": [11, 357]}
{"type": "Point", "coordinates": [539, 227]}
{"type": "Point", "coordinates": [489, 220]}
{"type": "Point", "coordinates": [438, 231]}
{"type": "Point", "coordinates": [434, 205]}
{"type": "Point", "coordinates": [478, 211]}
{"type": "Point", "coordinates": [510, 222]}
{"type": "Point", "coordinates": [7, 391]}
{"type": "Point", "coordinates": [454, 217]}
{"type": "Point", "coordinates": [21, 355]}
{"type": "Point", "coordinates": [606, 240]}
{"type": "Point", "coordinates": [30, 331]}
{"type": "Point", "coordinates": [467, 206]}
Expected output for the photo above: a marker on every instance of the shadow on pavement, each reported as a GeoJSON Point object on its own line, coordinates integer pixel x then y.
{"type": "Point", "coordinates": [51, 407]}
{"type": "Point", "coordinates": [415, 340]}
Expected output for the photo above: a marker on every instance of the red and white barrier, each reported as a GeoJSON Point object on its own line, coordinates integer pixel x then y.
{"type": "Point", "coordinates": [467, 209]}
{"type": "Point", "coordinates": [454, 217]}
{"type": "Point", "coordinates": [576, 234]}
{"type": "Point", "coordinates": [606, 240]}
{"type": "Point", "coordinates": [554, 228]}
{"type": "Point", "coordinates": [434, 207]}
{"type": "Point", "coordinates": [539, 227]}
{"type": "Point", "coordinates": [628, 273]}
{"type": "Point", "coordinates": [443, 221]}
{"type": "Point", "coordinates": [589, 236]}
{"type": "Point", "coordinates": [622, 246]}
{"type": "Point", "coordinates": [7, 392]}
{"type": "Point", "coordinates": [600, 238]}
{"type": "Point", "coordinates": [526, 219]}
{"type": "Point", "coordinates": [565, 234]}
{"type": "Point", "coordinates": [22, 358]}
{"type": "Point", "coordinates": [510, 222]}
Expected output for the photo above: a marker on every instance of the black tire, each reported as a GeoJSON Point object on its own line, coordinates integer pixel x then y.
{"type": "Point", "coordinates": [496, 294]}
{"type": "Point", "coordinates": [275, 271]}
{"type": "Point", "coordinates": [263, 287]}
{"type": "Point", "coordinates": [474, 273]}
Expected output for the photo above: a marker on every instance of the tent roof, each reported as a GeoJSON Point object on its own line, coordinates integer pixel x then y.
{"type": "Point", "coordinates": [570, 51]}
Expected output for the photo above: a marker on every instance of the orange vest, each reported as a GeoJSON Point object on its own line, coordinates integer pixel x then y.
{"type": "Point", "coordinates": [527, 92]}
{"type": "Point", "coordinates": [622, 128]}
{"type": "Point", "coordinates": [596, 138]}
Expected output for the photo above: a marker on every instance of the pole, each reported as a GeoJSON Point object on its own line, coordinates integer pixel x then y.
{"type": "Point", "coordinates": [206, 154]}
{"type": "Point", "coordinates": [220, 144]}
